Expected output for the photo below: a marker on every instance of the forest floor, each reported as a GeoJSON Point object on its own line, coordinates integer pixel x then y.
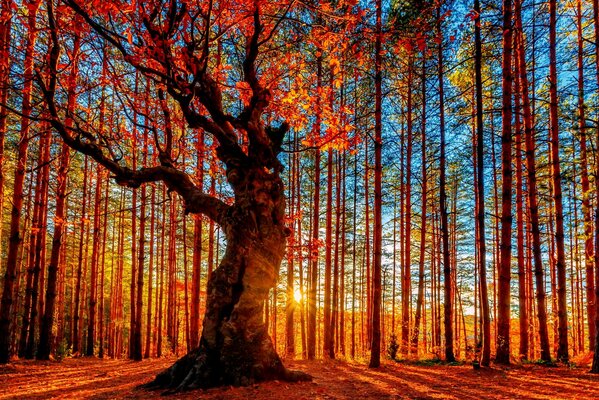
{"type": "Point", "coordinates": [91, 378]}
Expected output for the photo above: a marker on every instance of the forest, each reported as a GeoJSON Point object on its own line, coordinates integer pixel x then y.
{"type": "Point", "coordinates": [300, 198]}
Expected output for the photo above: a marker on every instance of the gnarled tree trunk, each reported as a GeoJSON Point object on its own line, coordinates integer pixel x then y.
{"type": "Point", "coordinates": [235, 348]}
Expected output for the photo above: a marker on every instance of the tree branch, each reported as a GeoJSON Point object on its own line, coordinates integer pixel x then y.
{"type": "Point", "coordinates": [176, 180]}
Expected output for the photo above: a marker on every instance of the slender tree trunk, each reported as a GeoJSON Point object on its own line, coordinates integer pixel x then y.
{"type": "Point", "coordinates": [313, 260]}
{"type": "Point", "coordinates": [15, 238]}
{"type": "Point", "coordinates": [76, 332]}
{"type": "Point", "coordinates": [28, 310]}
{"type": "Point", "coordinates": [354, 257]}
{"type": "Point", "coordinates": [101, 312]}
{"type": "Point", "coordinates": [160, 296]}
{"type": "Point", "coordinates": [149, 330]}
{"type": "Point", "coordinates": [375, 354]}
{"type": "Point", "coordinates": [523, 320]}
{"type": "Point", "coordinates": [421, 277]}
{"type": "Point", "coordinates": [328, 349]}
{"type": "Point", "coordinates": [21, 265]}
{"type": "Point", "coordinates": [496, 227]}
{"type": "Point", "coordinates": [137, 334]}
{"type": "Point", "coordinates": [134, 352]}
{"type": "Point", "coordinates": [480, 200]}
{"type": "Point", "coordinates": [367, 253]}
{"type": "Point", "coordinates": [562, 352]}
{"type": "Point", "coordinates": [40, 248]}
{"type": "Point", "coordinates": [504, 271]}
{"type": "Point", "coordinates": [335, 298]}
{"type": "Point", "coordinates": [6, 16]}
{"type": "Point", "coordinates": [196, 274]}
{"type": "Point", "coordinates": [119, 314]}
{"type": "Point", "coordinates": [300, 247]}
{"type": "Point", "coordinates": [586, 189]}
{"type": "Point", "coordinates": [93, 296]}
{"type": "Point", "coordinates": [595, 366]}
{"type": "Point", "coordinates": [172, 331]}
{"type": "Point", "coordinates": [291, 252]}
{"type": "Point", "coordinates": [447, 273]}
{"type": "Point", "coordinates": [532, 198]}
{"type": "Point", "coordinates": [407, 284]}
{"type": "Point", "coordinates": [342, 296]}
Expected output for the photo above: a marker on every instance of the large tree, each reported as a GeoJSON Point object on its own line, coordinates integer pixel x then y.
{"type": "Point", "coordinates": [175, 45]}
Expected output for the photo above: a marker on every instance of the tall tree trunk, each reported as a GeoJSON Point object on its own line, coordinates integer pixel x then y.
{"type": "Point", "coordinates": [172, 329]}
{"type": "Point", "coordinates": [562, 306]}
{"type": "Point", "coordinates": [342, 295]}
{"type": "Point", "coordinates": [149, 329]}
{"type": "Point", "coordinates": [595, 366]}
{"type": "Point", "coordinates": [291, 252]}
{"type": "Point", "coordinates": [196, 274]}
{"type": "Point", "coordinates": [134, 352]}
{"type": "Point", "coordinates": [407, 284]}
{"type": "Point", "coordinates": [81, 260]}
{"type": "Point", "coordinates": [15, 238]}
{"type": "Point", "coordinates": [505, 261]}
{"type": "Point", "coordinates": [300, 247]}
{"type": "Point", "coordinates": [6, 16]}
{"type": "Point", "coordinates": [28, 310]}
{"type": "Point", "coordinates": [375, 352]}
{"type": "Point", "coordinates": [447, 274]}
{"type": "Point", "coordinates": [313, 260]}
{"type": "Point", "coordinates": [328, 349]}
{"type": "Point", "coordinates": [93, 295]}
{"type": "Point", "coordinates": [335, 298]}
{"type": "Point", "coordinates": [101, 312]}
{"type": "Point", "coordinates": [37, 303]}
{"type": "Point", "coordinates": [137, 334]}
{"type": "Point", "coordinates": [354, 256]}
{"type": "Point", "coordinates": [421, 277]}
{"type": "Point", "coordinates": [159, 304]}
{"type": "Point", "coordinates": [523, 320]}
{"type": "Point", "coordinates": [586, 188]}
{"type": "Point", "coordinates": [480, 200]}
{"type": "Point", "coordinates": [532, 198]}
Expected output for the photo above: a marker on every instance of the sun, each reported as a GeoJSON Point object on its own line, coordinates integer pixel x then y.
{"type": "Point", "coordinates": [297, 295]}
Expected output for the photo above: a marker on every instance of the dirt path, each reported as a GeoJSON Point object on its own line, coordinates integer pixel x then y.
{"type": "Point", "coordinates": [89, 378]}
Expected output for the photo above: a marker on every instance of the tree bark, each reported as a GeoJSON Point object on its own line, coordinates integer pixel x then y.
{"type": "Point", "coordinates": [532, 197]}
{"type": "Point", "coordinates": [562, 351]}
{"type": "Point", "coordinates": [447, 273]}
{"type": "Point", "coordinates": [314, 243]}
{"type": "Point", "coordinates": [375, 351]}
{"type": "Point", "coordinates": [235, 348]}
{"type": "Point", "coordinates": [81, 260]}
{"type": "Point", "coordinates": [523, 320]}
{"type": "Point", "coordinates": [6, 16]}
{"type": "Point", "coordinates": [480, 201]}
{"type": "Point", "coordinates": [421, 277]}
{"type": "Point", "coordinates": [586, 188]}
{"type": "Point", "coordinates": [93, 291]}
{"type": "Point", "coordinates": [328, 343]}
{"type": "Point", "coordinates": [406, 262]}
{"type": "Point", "coordinates": [505, 261]}
{"type": "Point", "coordinates": [595, 366]}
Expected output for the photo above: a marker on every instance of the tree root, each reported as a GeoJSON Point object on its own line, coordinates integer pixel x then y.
{"type": "Point", "coordinates": [200, 370]}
